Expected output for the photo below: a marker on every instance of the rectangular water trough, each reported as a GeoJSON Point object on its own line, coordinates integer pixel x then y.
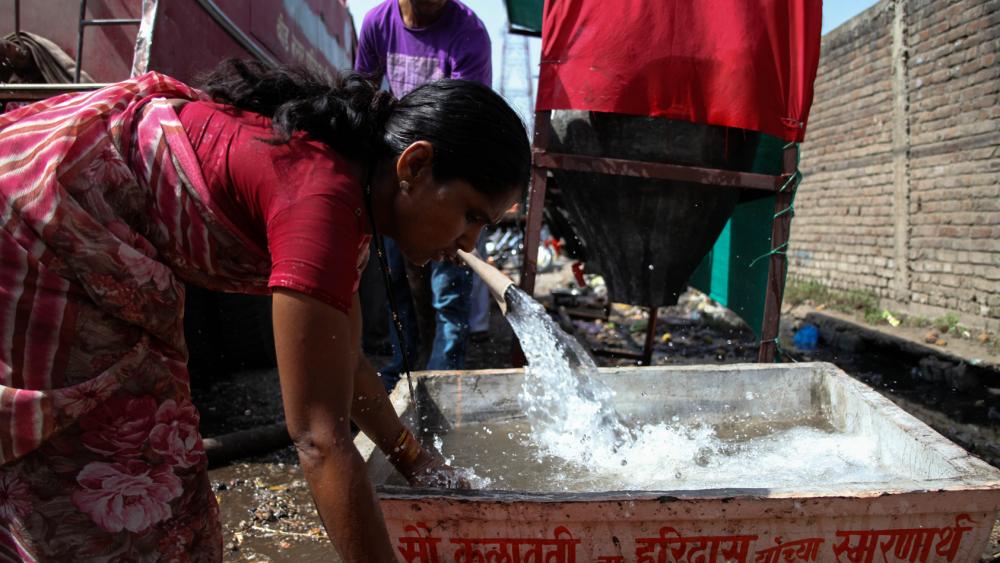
{"type": "Point", "coordinates": [940, 508]}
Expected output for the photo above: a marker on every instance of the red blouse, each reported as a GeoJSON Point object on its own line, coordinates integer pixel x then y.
{"type": "Point", "coordinates": [300, 200]}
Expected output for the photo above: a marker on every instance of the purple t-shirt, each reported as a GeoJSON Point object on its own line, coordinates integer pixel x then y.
{"type": "Point", "coordinates": [455, 46]}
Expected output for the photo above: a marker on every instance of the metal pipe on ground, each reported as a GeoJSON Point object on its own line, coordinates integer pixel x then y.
{"type": "Point", "coordinates": [222, 450]}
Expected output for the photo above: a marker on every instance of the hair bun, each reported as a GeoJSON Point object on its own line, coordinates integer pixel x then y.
{"type": "Point", "coordinates": [381, 107]}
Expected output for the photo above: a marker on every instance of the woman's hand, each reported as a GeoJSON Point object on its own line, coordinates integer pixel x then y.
{"type": "Point", "coordinates": [430, 470]}
{"type": "Point", "coordinates": [423, 467]}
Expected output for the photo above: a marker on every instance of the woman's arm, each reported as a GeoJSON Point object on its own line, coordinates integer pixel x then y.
{"type": "Point", "coordinates": [371, 409]}
{"type": "Point", "coordinates": [373, 413]}
{"type": "Point", "coordinates": [317, 361]}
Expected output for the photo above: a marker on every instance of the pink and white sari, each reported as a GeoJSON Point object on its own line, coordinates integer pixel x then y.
{"type": "Point", "coordinates": [103, 215]}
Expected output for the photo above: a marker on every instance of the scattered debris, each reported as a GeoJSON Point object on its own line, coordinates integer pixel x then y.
{"type": "Point", "coordinates": [890, 318]}
{"type": "Point", "coordinates": [806, 338]}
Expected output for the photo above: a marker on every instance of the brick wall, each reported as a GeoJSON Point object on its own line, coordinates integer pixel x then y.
{"type": "Point", "coordinates": [902, 160]}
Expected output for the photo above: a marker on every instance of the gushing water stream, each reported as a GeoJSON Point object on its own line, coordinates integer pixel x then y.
{"type": "Point", "coordinates": [568, 408]}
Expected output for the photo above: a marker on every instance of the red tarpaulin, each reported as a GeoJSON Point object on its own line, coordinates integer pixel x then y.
{"type": "Point", "coordinates": [737, 63]}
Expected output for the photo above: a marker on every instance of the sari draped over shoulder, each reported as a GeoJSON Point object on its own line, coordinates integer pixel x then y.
{"type": "Point", "coordinates": [104, 214]}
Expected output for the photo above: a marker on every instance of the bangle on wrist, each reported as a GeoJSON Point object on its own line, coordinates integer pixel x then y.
{"type": "Point", "coordinates": [405, 450]}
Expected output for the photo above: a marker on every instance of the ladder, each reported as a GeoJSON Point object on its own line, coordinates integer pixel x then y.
{"type": "Point", "coordinates": [83, 24]}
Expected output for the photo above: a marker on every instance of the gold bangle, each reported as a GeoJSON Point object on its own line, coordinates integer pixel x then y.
{"type": "Point", "coordinates": [406, 450]}
{"type": "Point", "coordinates": [402, 438]}
{"type": "Point", "coordinates": [410, 450]}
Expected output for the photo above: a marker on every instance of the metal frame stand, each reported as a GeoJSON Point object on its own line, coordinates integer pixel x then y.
{"type": "Point", "coordinates": [783, 185]}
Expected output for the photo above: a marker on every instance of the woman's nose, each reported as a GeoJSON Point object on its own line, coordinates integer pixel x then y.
{"type": "Point", "coordinates": [467, 242]}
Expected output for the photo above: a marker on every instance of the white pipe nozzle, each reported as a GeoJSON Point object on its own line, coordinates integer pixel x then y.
{"type": "Point", "coordinates": [494, 278]}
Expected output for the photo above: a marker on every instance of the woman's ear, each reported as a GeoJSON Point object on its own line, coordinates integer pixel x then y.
{"type": "Point", "coordinates": [415, 162]}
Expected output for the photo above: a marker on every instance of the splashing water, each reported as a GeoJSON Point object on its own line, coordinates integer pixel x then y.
{"type": "Point", "coordinates": [466, 474]}
{"type": "Point", "coordinates": [572, 421]}
{"type": "Point", "coordinates": [569, 409]}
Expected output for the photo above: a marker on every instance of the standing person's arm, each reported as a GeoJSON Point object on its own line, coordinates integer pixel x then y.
{"type": "Point", "coordinates": [316, 363]}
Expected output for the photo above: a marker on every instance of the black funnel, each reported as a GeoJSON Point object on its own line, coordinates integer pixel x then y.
{"type": "Point", "coordinates": [644, 236]}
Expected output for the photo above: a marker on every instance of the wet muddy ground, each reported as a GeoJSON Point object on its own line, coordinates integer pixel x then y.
{"type": "Point", "coordinates": [267, 511]}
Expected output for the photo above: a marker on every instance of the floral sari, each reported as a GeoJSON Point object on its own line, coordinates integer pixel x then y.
{"type": "Point", "coordinates": [104, 215]}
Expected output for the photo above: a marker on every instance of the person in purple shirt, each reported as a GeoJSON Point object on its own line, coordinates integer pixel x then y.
{"type": "Point", "coordinates": [411, 42]}
{"type": "Point", "coordinates": [408, 43]}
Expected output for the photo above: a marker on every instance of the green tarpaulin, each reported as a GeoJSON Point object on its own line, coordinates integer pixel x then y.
{"type": "Point", "coordinates": [730, 273]}
{"type": "Point", "coordinates": [525, 15]}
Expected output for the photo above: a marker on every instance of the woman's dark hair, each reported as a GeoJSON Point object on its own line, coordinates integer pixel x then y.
{"type": "Point", "coordinates": [476, 136]}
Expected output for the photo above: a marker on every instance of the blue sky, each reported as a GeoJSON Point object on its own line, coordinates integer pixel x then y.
{"type": "Point", "coordinates": [494, 16]}
{"type": "Point", "coordinates": [836, 12]}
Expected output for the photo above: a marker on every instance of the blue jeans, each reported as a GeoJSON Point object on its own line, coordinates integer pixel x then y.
{"type": "Point", "coordinates": [451, 288]}
{"type": "Point", "coordinates": [451, 294]}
